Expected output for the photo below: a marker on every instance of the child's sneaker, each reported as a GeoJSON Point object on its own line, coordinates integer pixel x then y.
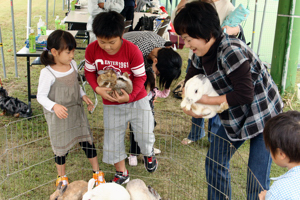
{"type": "Point", "coordinates": [151, 162]}
{"type": "Point", "coordinates": [157, 151]}
{"type": "Point", "coordinates": [121, 178]}
{"type": "Point", "coordinates": [132, 160]}
{"type": "Point", "coordinates": [99, 177]}
{"type": "Point", "coordinates": [63, 179]}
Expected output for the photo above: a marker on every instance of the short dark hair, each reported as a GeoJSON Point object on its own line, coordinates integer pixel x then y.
{"type": "Point", "coordinates": [283, 132]}
{"type": "Point", "coordinates": [169, 66]}
{"type": "Point", "coordinates": [108, 25]}
{"type": "Point", "coordinates": [199, 20]}
{"type": "Point", "coordinates": [59, 40]}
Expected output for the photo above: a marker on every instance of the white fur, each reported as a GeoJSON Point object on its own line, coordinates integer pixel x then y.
{"type": "Point", "coordinates": [106, 191]}
{"type": "Point", "coordinates": [139, 191]}
{"type": "Point", "coordinates": [195, 88]}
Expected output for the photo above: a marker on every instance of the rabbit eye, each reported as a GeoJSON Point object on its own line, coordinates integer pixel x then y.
{"type": "Point", "coordinates": [196, 91]}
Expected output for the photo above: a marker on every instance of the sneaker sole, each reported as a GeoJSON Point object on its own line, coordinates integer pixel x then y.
{"type": "Point", "coordinates": [154, 170]}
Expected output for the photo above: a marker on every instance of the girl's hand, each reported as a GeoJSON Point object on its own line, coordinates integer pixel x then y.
{"type": "Point", "coordinates": [88, 102]}
{"type": "Point", "coordinates": [122, 99]}
{"type": "Point", "coordinates": [60, 111]}
{"type": "Point", "coordinates": [102, 91]}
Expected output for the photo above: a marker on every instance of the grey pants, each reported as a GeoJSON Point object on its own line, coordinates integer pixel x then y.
{"type": "Point", "coordinates": [116, 118]}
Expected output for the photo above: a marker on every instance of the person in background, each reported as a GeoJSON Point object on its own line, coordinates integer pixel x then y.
{"type": "Point", "coordinates": [282, 139]}
{"type": "Point", "coordinates": [244, 83]}
{"type": "Point", "coordinates": [224, 8]}
{"type": "Point", "coordinates": [61, 97]}
{"type": "Point", "coordinates": [160, 60]}
{"type": "Point", "coordinates": [111, 51]}
{"type": "Point", "coordinates": [128, 11]}
{"type": "Point", "coordinates": [98, 6]}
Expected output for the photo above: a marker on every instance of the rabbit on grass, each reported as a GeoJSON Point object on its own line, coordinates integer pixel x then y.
{"type": "Point", "coordinates": [195, 88]}
{"type": "Point", "coordinates": [73, 191]}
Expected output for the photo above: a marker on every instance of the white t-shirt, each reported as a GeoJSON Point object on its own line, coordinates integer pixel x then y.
{"type": "Point", "coordinates": [46, 80]}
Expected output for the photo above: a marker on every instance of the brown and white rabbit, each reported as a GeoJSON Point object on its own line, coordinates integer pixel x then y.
{"type": "Point", "coordinates": [73, 191]}
{"type": "Point", "coordinates": [110, 79]}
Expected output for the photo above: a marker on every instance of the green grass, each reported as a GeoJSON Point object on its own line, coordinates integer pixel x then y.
{"type": "Point", "coordinates": [26, 159]}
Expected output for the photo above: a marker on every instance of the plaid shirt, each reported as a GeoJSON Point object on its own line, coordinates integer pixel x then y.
{"type": "Point", "coordinates": [286, 186]}
{"type": "Point", "coordinates": [244, 121]}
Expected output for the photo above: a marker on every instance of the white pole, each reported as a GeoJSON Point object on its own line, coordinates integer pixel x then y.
{"type": "Point", "coordinates": [2, 54]}
{"type": "Point", "coordinates": [47, 4]}
{"type": "Point", "coordinates": [54, 9]}
{"type": "Point", "coordinates": [28, 18]}
{"type": "Point", "coordinates": [261, 27]}
{"type": "Point", "coordinates": [14, 37]}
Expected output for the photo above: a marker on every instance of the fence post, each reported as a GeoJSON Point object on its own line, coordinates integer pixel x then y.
{"type": "Point", "coordinates": [14, 37]}
{"type": "Point", "coordinates": [286, 47]}
{"type": "Point", "coordinates": [2, 54]}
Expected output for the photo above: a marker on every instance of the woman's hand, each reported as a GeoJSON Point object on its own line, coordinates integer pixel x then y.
{"type": "Point", "coordinates": [101, 5]}
{"type": "Point", "coordinates": [232, 30]}
{"type": "Point", "coordinates": [88, 102]}
{"type": "Point", "coordinates": [102, 91]}
{"type": "Point", "coordinates": [191, 113]}
{"type": "Point", "coordinates": [122, 99]}
{"type": "Point", "coordinates": [60, 111]}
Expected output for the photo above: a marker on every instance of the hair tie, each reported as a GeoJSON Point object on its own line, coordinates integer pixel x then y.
{"type": "Point", "coordinates": [45, 49]}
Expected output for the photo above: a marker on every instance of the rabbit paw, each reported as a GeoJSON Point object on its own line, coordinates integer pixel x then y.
{"type": "Point", "coordinates": [223, 106]}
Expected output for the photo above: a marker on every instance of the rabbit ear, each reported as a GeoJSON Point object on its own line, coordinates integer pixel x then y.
{"type": "Point", "coordinates": [91, 184]}
{"type": "Point", "coordinates": [59, 185]}
{"type": "Point", "coordinates": [63, 189]}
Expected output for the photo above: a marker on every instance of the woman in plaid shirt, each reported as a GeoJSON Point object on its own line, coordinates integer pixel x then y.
{"type": "Point", "coordinates": [242, 81]}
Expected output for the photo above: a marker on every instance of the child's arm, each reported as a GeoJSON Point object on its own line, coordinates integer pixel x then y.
{"type": "Point", "coordinates": [45, 82]}
{"type": "Point", "coordinates": [162, 94]}
{"type": "Point", "coordinates": [139, 75]}
{"type": "Point", "coordinates": [262, 195]}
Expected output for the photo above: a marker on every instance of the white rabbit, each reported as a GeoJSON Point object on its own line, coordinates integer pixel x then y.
{"type": "Point", "coordinates": [139, 191]}
{"type": "Point", "coordinates": [106, 191]}
{"type": "Point", "coordinates": [194, 89]}
{"type": "Point", "coordinates": [73, 191]}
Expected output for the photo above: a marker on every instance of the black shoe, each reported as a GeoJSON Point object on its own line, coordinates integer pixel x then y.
{"type": "Point", "coordinates": [151, 163]}
{"type": "Point", "coordinates": [121, 179]}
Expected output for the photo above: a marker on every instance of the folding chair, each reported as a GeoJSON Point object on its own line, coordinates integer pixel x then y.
{"type": "Point", "coordinates": [163, 26]}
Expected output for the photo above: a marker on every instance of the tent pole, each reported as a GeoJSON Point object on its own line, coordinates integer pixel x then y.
{"type": "Point", "coordinates": [14, 37]}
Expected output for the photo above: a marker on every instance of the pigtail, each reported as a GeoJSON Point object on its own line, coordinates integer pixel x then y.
{"type": "Point", "coordinates": [47, 58]}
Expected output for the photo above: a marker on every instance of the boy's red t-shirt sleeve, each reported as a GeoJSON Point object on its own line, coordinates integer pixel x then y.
{"type": "Point", "coordinates": [138, 71]}
{"type": "Point", "coordinates": [90, 70]}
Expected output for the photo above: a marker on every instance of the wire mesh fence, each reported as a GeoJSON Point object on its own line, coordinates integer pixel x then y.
{"type": "Point", "coordinates": [27, 169]}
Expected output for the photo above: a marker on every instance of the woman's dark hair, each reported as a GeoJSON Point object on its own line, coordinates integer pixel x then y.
{"type": "Point", "coordinates": [150, 79]}
{"type": "Point", "coordinates": [169, 66]}
{"type": "Point", "coordinates": [108, 25]}
{"type": "Point", "coordinates": [59, 40]}
{"type": "Point", "coordinates": [283, 132]}
{"type": "Point", "coordinates": [199, 20]}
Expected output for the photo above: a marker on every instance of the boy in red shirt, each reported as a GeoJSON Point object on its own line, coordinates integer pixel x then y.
{"type": "Point", "coordinates": [110, 51]}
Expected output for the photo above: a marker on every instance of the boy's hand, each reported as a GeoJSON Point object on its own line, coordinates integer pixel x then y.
{"type": "Point", "coordinates": [60, 111]}
{"type": "Point", "coordinates": [102, 91]}
{"type": "Point", "coordinates": [88, 102]}
{"type": "Point", "coordinates": [191, 113]}
{"type": "Point", "coordinates": [262, 195]}
{"type": "Point", "coordinates": [122, 99]}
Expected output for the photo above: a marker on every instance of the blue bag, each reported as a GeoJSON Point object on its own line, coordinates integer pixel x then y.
{"type": "Point", "coordinates": [236, 17]}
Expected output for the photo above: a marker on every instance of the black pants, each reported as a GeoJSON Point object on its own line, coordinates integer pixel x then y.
{"type": "Point", "coordinates": [90, 152]}
{"type": "Point", "coordinates": [128, 13]}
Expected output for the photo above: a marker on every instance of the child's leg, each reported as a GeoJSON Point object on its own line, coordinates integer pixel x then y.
{"type": "Point", "coordinates": [60, 162]}
{"type": "Point", "coordinates": [91, 154]}
{"type": "Point", "coordinates": [122, 175]}
{"type": "Point", "coordinates": [134, 148]}
{"type": "Point", "coordinates": [115, 124]}
{"type": "Point", "coordinates": [120, 166]}
{"type": "Point", "coordinates": [142, 123]}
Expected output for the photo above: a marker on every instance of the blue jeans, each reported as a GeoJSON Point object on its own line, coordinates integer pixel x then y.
{"type": "Point", "coordinates": [197, 130]}
{"type": "Point", "coordinates": [217, 163]}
